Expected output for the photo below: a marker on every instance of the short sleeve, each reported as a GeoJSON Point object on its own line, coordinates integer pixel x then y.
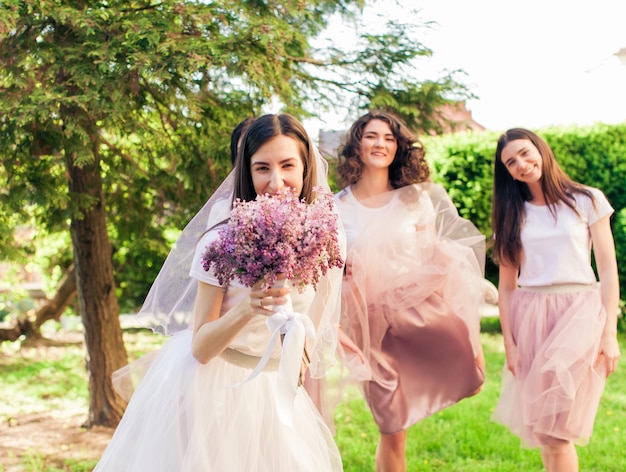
{"type": "Point", "coordinates": [197, 271]}
{"type": "Point", "coordinates": [601, 209]}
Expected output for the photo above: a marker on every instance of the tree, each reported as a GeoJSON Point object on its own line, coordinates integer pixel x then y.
{"type": "Point", "coordinates": [51, 310]}
{"type": "Point", "coordinates": [115, 117]}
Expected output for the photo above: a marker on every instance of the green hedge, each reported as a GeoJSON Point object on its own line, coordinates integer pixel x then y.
{"type": "Point", "coordinates": [594, 155]}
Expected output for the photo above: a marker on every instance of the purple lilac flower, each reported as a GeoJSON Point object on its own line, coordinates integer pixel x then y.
{"type": "Point", "coordinates": [274, 235]}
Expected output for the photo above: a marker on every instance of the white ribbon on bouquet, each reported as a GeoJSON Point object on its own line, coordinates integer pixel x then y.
{"type": "Point", "coordinates": [297, 328]}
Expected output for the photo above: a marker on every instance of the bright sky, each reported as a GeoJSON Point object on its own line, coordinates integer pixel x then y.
{"type": "Point", "coordinates": [532, 63]}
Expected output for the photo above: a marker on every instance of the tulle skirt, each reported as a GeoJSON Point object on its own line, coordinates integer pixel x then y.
{"type": "Point", "coordinates": [426, 363]}
{"type": "Point", "coordinates": [556, 390]}
{"type": "Point", "coordinates": [186, 416]}
{"type": "Point", "coordinates": [416, 319]}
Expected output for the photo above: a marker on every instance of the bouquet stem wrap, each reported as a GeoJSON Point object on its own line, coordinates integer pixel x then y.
{"type": "Point", "coordinates": [296, 328]}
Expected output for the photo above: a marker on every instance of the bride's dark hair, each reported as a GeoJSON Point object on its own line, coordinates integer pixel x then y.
{"type": "Point", "coordinates": [261, 131]}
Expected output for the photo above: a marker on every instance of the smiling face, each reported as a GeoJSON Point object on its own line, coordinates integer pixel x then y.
{"type": "Point", "coordinates": [523, 161]}
{"type": "Point", "coordinates": [277, 164]}
{"type": "Point", "coordinates": [378, 145]}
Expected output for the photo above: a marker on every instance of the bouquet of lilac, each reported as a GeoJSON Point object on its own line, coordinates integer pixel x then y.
{"type": "Point", "coordinates": [273, 235]}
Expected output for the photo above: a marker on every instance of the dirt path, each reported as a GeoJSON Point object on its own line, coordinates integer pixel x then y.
{"type": "Point", "coordinates": [49, 441]}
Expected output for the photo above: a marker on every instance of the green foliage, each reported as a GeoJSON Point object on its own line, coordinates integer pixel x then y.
{"type": "Point", "coordinates": [594, 156]}
{"type": "Point", "coordinates": [151, 93]}
{"type": "Point", "coordinates": [141, 260]}
{"type": "Point", "coordinates": [462, 163]}
{"type": "Point", "coordinates": [420, 104]}
{"type": "Point", "coordinates": [15, 303]}
{"type": "Point", "coordinates": [619, 234]}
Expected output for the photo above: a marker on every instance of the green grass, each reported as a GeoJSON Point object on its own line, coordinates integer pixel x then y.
{"type": "Point", "coordinates": [52, 379]}
{"type": "Point", "coordinates": [459, 438]}
{"type": "Point", "coordinates": [462, 438]}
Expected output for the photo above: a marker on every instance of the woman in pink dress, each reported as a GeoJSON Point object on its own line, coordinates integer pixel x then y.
{"type": "Point", "coordinates": [559, 324]}
{"type": "Point", "coordinates": [413, 282]}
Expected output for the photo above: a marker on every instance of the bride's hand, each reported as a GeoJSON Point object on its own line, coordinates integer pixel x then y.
{"type": "Point", "coordinates": [262, 301]}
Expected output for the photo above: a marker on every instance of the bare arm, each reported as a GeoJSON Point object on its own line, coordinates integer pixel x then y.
{"type": "Point", "coordinates": [506, 286]}
{"type": "Point", "coordinates": [606, 262]}
{"type": "Point", "coordinates": [347, 343]}
{"type": "Point", "coordinates": [212, 333]}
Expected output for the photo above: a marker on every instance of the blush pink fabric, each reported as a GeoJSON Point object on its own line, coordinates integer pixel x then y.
{"type": "Point", "coordinates": [411, 302]}
{"type": "Point", "coordinates": [556, 390]}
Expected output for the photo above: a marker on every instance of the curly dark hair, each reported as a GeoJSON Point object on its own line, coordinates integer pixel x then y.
{"type": "Point", "coordinates": [409, 165]}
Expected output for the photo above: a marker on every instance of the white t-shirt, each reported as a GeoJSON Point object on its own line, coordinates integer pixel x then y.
{"type": "Point", "coordinates": [356, 217]}
{"type": "Point", "coordinates": [559, 251]}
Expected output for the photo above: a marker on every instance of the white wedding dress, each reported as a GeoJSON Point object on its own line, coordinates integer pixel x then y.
{"type": "Point", "coordinates": [186, 416]}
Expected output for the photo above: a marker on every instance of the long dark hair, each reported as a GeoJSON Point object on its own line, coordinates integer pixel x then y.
{"type": "Point", "coordinates": [261, 131]}
{"type": "Point", "coordinates": [409, 165]}
{"type": "Point", "coordinates": [508, 213]}
{"type": "Point", "coordinates": [235, 137]}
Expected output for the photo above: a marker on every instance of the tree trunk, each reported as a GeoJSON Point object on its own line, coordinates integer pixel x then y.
{"type": "Point", "coordinates": [96, 294]}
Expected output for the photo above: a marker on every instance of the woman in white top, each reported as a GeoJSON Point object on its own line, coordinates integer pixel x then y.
{"type": "Point", "coordinates": [199, 406]}
{"type": "Point", "coordinates": [559, 325]}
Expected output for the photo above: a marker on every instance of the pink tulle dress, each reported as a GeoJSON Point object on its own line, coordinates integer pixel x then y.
{"type": "Point", "coordinates": [557, 319]}
{"type": "Point", "coordinates": [410, 301]}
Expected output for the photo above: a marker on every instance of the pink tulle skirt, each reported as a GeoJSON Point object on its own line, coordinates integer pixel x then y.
{"type": "Point", "coordinates": [416, 320]}
{"type": "Point", "coordinates": [556, 390]}
{"type": "Point", "coordinates": [426, 362]}
{"type": "Point", "coordinates": [411, 301]}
